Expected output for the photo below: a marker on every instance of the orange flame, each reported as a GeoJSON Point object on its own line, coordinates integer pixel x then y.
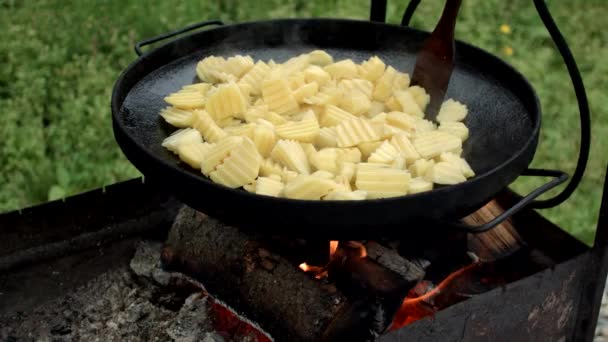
{"type": "Point", "coordinates": [333, 247]}
{"type": "Point", "coordinates": [321, 271]}
{"type": "Point", "coordinates": [413, 309]}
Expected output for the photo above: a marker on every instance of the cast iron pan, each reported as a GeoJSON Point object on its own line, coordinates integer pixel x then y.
{"type": "Point", "coordinates": [504, 122]}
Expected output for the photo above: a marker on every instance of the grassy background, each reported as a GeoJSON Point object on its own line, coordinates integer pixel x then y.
{"type": "Point", "coordinates": [60, 60]}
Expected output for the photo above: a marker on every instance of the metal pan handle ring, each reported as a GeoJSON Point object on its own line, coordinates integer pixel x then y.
{"type": "Point", "coordinates": [559, 177]}
{"type": "Point", "coordinates": [158, 38]}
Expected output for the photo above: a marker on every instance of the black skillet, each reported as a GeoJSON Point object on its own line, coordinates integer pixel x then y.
{"type": "Point", "coordinates": [504, 123]}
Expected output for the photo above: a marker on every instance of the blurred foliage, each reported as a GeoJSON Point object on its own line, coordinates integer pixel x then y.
{"type": "Point", "coordinates": [60, 60]}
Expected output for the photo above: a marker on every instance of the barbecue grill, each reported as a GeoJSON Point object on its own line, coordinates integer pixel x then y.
{"type": "Point", "coordinates": [552, 286]}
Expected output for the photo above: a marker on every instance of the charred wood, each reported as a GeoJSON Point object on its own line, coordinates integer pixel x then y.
{"type": "Point", "coordinates": [269, 289]}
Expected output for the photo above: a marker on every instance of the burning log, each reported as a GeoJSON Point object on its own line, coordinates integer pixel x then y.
{"type": "Point", "coordinates": [391, 260]}
{"type": "Point", "coordinates": [268, 288]}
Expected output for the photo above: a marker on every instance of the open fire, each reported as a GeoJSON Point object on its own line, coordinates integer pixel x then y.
{"type": "Point", "coordinates": [385, 290]}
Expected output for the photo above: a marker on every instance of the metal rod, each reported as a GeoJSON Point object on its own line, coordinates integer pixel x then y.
{"type": "Point", "coordinates": [378, 11]}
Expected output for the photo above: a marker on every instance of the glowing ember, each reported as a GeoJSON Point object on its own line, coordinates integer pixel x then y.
{"type": "Point", "coordinates": [415, 307]}
{"type": "Point", "coordinates": [319, 272]}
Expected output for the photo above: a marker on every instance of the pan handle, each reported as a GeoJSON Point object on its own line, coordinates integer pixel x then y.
{"type": "Point", "coordinates": [164, 36]}
{"type": "Point", "coordinates": [559, 177]}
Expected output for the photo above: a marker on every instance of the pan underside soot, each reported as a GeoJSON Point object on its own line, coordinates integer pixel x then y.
{"type": "Point", "coordinates": [504, 121]}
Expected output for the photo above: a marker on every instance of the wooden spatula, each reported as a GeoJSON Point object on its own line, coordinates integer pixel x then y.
{"type": "Point", "coordinates": [435, 61]}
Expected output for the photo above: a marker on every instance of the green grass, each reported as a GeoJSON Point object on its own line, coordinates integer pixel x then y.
{"type": "Point", "coordinates": [60, 60]}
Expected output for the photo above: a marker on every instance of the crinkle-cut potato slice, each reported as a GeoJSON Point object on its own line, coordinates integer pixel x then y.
{"type": "Point", "coordinates": [421, 167]}
{"type": "Point", "coordinates": [446, 173]}
{"type": "Point", "coordinates": [333, 116]}
{"type": "Point", "coordinates": [325, 159]}
{"type": "Point", "coordinates": [383, 182]}
{"type": "Point", "coordinates": [323, 174]}
{"type": "Point", "coordinates": [220, 151]}
{"type": "Point", "coordinates": [193, 154]}
{"type": "Point", "coordinates": [269, 186]}
{"type": "Point", "coordinates": [306, 187]}
{"type": "Point", "coordinates": [239, 65]}
{"type": "Point", "coordinates": [372, 69]}
{"type": "Point", "coordinates": [376, 109]}
{"type": "Point", "coordinates": [212, 69]}
{"type": "Point", "coordinates": [327, 95]}
{"type": "Point", "coordinates": [386, 153]}
{"type": "Point", "coordinates": [250, 187]}
{"type": "Point", "coordinates": [207, 127]}
{"type": "Point", "coordinates": [269, 167]}
{"type": "Point", "coordinates": [181, 137]}
{"type": "Point", "coordinates": [261, 112]}
{"type": "Point", "coordinates": [309, 149]}
{"type": "Point", "coordinates": [305, 130]}
{"type": "Point", "coordinates": [279, 97]}
{"type": "Point", "coordinates": [356, 103]}
{"type": "Point", "coordinates": [241, 167]}
{"type": "Point", "coordinates": [317, 75]}
{"type": "Point", "coordinates": [419, 184]}
{"type": "Point", "coordinates": [458, 161]}
{"type": "Point", "coordinates": [254, 77]}
{"type": "Point", "coordinates": [380, 118]}
{"type": "Point", "coordinates": [434, 143]}
{"type": "Point", "coordinates": [327, 137]}
{"type": "Point", "coordinates": [384, 85]}
{"type": "Point", "coordinates": [423, 125]}
{"type": "Point", "coordinates": [399, 163]}
{"type": "Point", "coordinates": [455, 128]}
{"type": "Point", "coordinates": [357, 85]}
{"type": "Point", "coordinates": [367, 148]}
{"type": "Point", "coordinates": [245, 130]}
{"type": "Point", "coordinates": [405, 147]}
{"type": "Point", "coordinates": [180, 118]}
{"type": "Point", "coordinates": [290, 154]}
{"type": "Point", "coordinates": [387, 131]}
{"type": "Point", "coordinates": [229, 122]}
{"type": "Point", "coordinates": [356, 195]}
{"type": "Point", "coordinates": [306, 90]}
{"type": "Point", "coordinates": [264, 138]}
{"type": "Point", "coordinates": [420, 95]}
{"type": "Point", "coordinates": [186, 99]}
{"type": "Point", "coordinates": [343, 183]}
{"type": "Point", "coordinates": [401, 81]}
{"type": "Point", "coordinates": [345, 68]}
{"type": "Point", "coordinates": [201, 87]}
{"type": "Point", "coordinates": [452, 110]}
{"type": "Point", "coordinates": [355, 131]}
{"type": "Point", "coordinates": [296, 80]}
{"type": "Point", "coordinates": [408, 103]}
{"type": "Point", "coordinates": [401, 120]}
{"type": "Point", "coordinates": [347, 171]}
{"type": "Point", "coordinates": [227, 100]}
{"type": "Point", "coordinates": [320, 58]}
{"type": "Point", "coordinates": [349, 155]}
{"type": "Point", "coordinates": [393, 105]}
{"type": "Point", "coordinates": [295, 64]}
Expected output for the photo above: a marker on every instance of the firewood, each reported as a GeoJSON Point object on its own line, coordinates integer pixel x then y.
{"type": "Point", "coordinates": [233, 265]}
{"type": "Point", "coordinates": [496, 243]}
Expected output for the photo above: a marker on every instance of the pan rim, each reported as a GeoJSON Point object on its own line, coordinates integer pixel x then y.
{"type": "Point", "coordinates": [118, 123]}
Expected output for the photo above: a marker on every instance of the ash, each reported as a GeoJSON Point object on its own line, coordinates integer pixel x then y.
{"type": "Point", "coordinates": [136, 303]}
